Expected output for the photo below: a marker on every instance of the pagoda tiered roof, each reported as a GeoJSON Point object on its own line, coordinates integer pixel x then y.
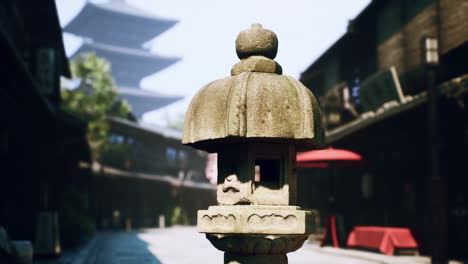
{"type": "Point", "coordinates": [143, 101]}
{"type": "Point", "coordinates": [128, 66]}
{"type": "Point", "coordinates": [117, 31]}
{"type": "Point", "coordinates": [117, 23]}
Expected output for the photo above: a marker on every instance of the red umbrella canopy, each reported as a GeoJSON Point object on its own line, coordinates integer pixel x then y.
{"type": "Point", "coordinates": [329, 158]}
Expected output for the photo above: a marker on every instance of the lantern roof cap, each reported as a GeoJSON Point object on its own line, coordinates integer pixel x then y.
{"type": "Point", "coordinates": [255, 104]}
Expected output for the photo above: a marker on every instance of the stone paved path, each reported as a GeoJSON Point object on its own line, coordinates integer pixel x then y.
{"type": "Point", "coordinates": [183, 245]}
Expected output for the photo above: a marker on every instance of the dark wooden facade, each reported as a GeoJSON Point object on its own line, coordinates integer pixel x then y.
{"type": "Point", "coordinates": [395, 189]}
{"type": "Point", "coordinates": [44, 155]}
{"type": "Point", "coordinates": [35, 134]}
{"type": "Point", "coordinates": [154, 174]}
{"type": "Point", "coordinates": [389, 33]}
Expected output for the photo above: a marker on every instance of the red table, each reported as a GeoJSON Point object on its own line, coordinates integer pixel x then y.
{"type": "Point", "coordinates": [385, 239]}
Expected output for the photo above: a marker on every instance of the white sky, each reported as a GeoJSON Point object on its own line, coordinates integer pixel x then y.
{"type": "Point", "coordinates": [204, 38]}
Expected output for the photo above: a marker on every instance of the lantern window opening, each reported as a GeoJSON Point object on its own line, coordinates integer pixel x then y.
{"type": "Point", "coordinates": [268, 173]}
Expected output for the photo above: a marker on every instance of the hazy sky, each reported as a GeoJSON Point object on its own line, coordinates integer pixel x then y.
{"type": "Point", "coordinates": [204, 38]}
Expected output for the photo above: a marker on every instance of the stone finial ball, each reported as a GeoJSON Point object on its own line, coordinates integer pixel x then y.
{"type": "Point", "coordinates": [256, 41]}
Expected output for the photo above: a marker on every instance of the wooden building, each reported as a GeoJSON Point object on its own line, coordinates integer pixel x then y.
{"type": "Point", "coordinates": [372, 85]}
{"type": "Point", "coordinates": [149, 174]}
{"type": "Point", "coordinates": [44, 152]}
{"type": "Point", "coordinates": [35, 136]}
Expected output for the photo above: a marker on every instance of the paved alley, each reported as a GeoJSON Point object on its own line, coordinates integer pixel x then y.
{"type": "Point", "coordinates": [183, 245]}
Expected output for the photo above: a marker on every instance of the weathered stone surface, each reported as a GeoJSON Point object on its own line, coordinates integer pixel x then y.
{"type": "Point", "coordinates": [256, 41]}
{"type": "Point", "coordinates": [255, 259]}
{"type": "Point", "coordinates": [256, 64]}
{"type": "Point", "coordinates": [252, 244]}
{"type": "Point", "coordinates": [254, 219]}
{"type": "Point", "coordinates": [253, 106]}
{"type": "Point", "coordinates": [236, 175]}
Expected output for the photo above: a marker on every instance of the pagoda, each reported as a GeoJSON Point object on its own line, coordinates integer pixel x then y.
{"type": "Point", "coordinates": [117, 31]}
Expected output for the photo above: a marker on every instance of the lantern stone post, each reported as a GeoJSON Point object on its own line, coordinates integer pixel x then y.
{"type": "Point", "coordinates": [255, 120]}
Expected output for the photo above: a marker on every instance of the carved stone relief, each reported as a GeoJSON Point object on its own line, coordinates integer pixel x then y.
{"type": "Point", "coordinates": [219, 220]}
{"type": "Point", "coordinates": [272, 220]}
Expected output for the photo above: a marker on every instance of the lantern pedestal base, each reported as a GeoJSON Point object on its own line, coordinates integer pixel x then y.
{"type": "Point", "coordinates": [256, 248]}
{"type": "Point", "coordinates": [255, 259]}
{"type": "Point", "coordinates": [257, 234]}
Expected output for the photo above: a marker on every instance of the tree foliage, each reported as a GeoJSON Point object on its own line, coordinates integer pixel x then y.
{"type": "Point", "coordinates": [95, 98]}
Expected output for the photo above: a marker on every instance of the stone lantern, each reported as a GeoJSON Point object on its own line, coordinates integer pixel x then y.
{"type": "Point", "coordinates": [255, 120]}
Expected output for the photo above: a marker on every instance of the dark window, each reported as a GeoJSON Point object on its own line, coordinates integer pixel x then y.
{"type": "Point", "coordinates": [171, 154]}
{"type": "Point", "coordinates": [116, 139]}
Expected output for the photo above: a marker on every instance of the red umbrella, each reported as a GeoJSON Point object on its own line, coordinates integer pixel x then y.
{"type": "Point", "coordinates": [329, 158]}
